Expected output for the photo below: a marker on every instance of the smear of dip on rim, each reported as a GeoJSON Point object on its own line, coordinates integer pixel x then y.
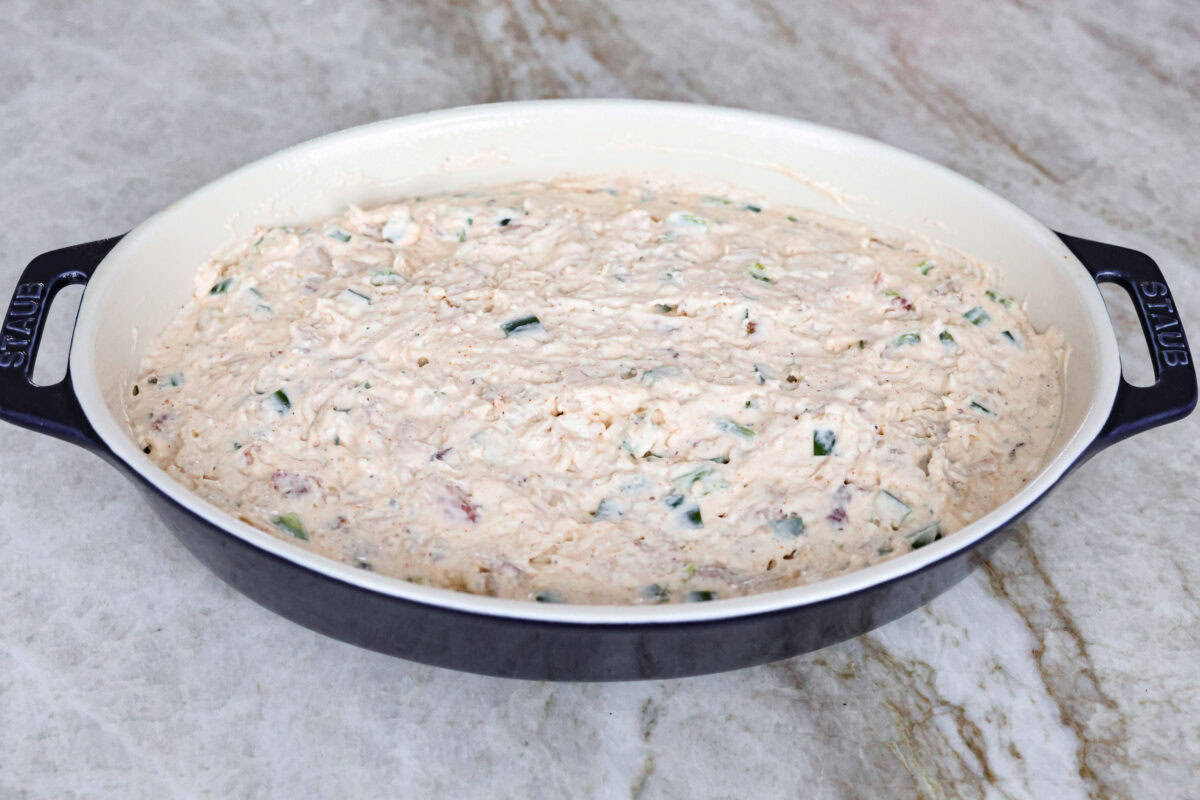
{"type": "Point", "coordinates": [599, 392]}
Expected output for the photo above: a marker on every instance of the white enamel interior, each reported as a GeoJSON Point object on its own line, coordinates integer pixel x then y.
{"type": "Point", "coordinates": [147, 277]}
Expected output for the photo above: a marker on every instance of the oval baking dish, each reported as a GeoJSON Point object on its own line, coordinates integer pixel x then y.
{"type": "Point", "coordinates": [137, 283]}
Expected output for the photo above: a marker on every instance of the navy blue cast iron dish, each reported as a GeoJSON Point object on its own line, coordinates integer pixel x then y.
{"type": "Point", "coordinates": [524, 639]}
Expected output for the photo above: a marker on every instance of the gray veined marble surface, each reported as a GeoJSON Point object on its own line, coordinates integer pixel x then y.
{"type": "Point", "coordinates": [1068, 667]}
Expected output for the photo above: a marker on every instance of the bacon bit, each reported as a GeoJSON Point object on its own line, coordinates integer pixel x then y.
{"type": "Point", "coordinates": [903, 302]}
{"type": "Point", "coordinates": [440, 454]}
{"type": "Point", "coordinates": [837, 518]}
{"type": "Point", "coordinates": [158, 422]}
{"type": "Point", "coordinates": [289, 483]}
{"type": "Point", "coordinates": [751, 326]}
{"type": "Point", "coordinates": [461, 501]}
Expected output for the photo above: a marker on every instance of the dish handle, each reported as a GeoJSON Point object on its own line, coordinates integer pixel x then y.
{"type": "Point", "coordinates": [1172, 396]}
{"type": "Point", "coordinates": [53, 410]}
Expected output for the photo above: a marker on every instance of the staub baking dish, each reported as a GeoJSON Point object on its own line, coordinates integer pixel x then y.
{"type": "Point", "coordinates": [137, 282]}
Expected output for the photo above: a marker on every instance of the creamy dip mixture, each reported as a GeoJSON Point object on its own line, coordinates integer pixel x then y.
{"type": "Point", "coordinates": [598, 392]}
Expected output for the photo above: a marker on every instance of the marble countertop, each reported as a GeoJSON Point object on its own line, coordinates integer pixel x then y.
{"type": "Point", "coordinates": [1067, 667]}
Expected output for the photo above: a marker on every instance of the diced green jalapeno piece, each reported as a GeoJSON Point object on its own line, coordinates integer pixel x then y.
{"type": "Point", "coordinates": [709, 479]}
{"type": "Point", "coordinates": [683, 483]}
{"type": "Point", "coordinates": [925, 535]}
{"type": "Point", "coordinates": [610, 509]}
{"type": "Point", "coordinates": [221, 286]}
{"type": "Point", "coordinates": [280, 401]}
{"type": "Point", "coordinates": [726, 425]}
{"type": "Point", "coordinates": [656, 374]}
{"type": "Point", "coordinates": [977, 316]}
{"type": "Point", "coordinates": [1000, 299]}
{"type": "Point", "coordinates": [687, 220]}
{"type": "Point", "coordinates": [824, 440]}
{"type": "Point", "coordinates": [654, 593]}
{"type": "Point", "coordinates": [890, 509]}
{"type": "Point", "coordinates": [790, 527]}
{"type": "Point", "coordinates": [759, 272]}
{"type": "Point", "coordinates": [686, 516]}
{"type": "Point", "coordinates": [521, 325]}
{"type": "Point", "coordinates": [291, 523]}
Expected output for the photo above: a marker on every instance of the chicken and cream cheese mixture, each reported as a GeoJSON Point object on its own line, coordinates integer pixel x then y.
{"type": "Point", "coordinates": [598, 392]}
